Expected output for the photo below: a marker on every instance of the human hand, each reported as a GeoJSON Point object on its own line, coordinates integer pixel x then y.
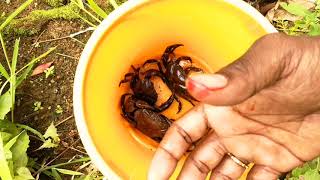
{"type": "Point", "coordinates": [263, 108]}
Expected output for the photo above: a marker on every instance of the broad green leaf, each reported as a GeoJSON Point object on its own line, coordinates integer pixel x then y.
{"type": "Point", "coordinates": [9, 127]}
{"type": "Point", "coordinates": [5, 172]}
{"type": "Point", "coordinates": [312, 175]}
{"type": "Point", "coordinates": [19, 151]}
{"type": "Point", "coordinates": [15, 13]}
{"type": "Point", "coordinates": [51, 132]}
{"type": "Point", "coordinates": [295, 9]}
{"type": "Point", "coordinates": [56, 174]}
{"type": "Point", "coordinates": [48, 144]}
{"type": "Point", "coordinates": [7, 147]}
{"type": "Point", "coordinates": [97, 9]}
{"type": "Point", "coordinates": [9, 144]}
{"type": "Point", "coordinates": [314, 30]}
{"type": "Point", "coordinates": [5, 137]}
{"type": "Point", "coordinates": [5, 104]}
{"type": "Point", "coordinates": [69, 172]}
{"type": "Point", "coordinates": [23, 173]}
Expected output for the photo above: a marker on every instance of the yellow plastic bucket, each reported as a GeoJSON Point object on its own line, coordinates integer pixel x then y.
{"type": "Point", "coordinates": [214, 31]}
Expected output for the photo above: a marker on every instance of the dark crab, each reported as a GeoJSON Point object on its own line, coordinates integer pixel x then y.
{"type": "Point", "coordinates": [144, 117]}
{"type": "Point", "coordinates": [143, 88]}
{"type": "Point", "coordinates": [173, 73]}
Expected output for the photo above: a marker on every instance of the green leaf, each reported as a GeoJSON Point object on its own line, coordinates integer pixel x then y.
{"type": "Point", "coordinates": [51, 132]}
{"type": "Point", "coordinates": [28, 128]}
{"type": "Point", "coordinates": [295, 9]}
{"type": "Point", "coordinates": [5, 172]}
{"type": "Point", "coordinates": [9, 144]}
{"type": "Point", "coordinates": [13, 74]}
{"type": "Point", "coordinates": [79, 3]}
{"type": "Point", "coordinates": [114, 4]}
{"type": "Point", "coordinates": [56, 174]}
{"type": "Point", "coordinates": [69, 172]}
{"type": "Point", "coordinates": [25, 74]}
{"type": "Point", "coordinates": [19, 151]}
{"type": "Point", "coordinates": [3, 72]}
{"type": "Point", "coordinates": [15, 13]}
{"type": "Point", "coordinates": [5, 104]}
{"type": "Point", "coordinates": [3, 44]}
{"type": "Point", "coordinates": [5, 137]}
{"type": "Point", "coordinates": [312, 175]}
{"type": "Point", "coordinates": [97, 9]}
{"type": "Point", "coordinates": [8, 127]}
{"type": "Point", "coordinates": [48, 144]}
{"type": "Point", "coordinates": [23, 174]}
{"type": "Point", "coordinates": [37, 59]}
{"type": "Point", "coordinates": [314, 30]}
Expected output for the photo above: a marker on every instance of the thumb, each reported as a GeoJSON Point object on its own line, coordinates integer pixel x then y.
{"type": "Point", "coordinates": [262, 66]}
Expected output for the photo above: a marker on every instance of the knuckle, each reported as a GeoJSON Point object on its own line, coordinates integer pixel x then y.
{"type": "Point", "coordinates": [183, 133]}
{"type": "Point", "coordinates": [218, 148]}
{"type": "Point", "coordinates": [220, 175]}
{"type": "Point", "coordinates": [200, 165]}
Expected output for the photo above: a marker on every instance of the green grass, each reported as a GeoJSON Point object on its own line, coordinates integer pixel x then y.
{"type": "Point", "coordinates": [14, 138]}
{"type": "Point", "coordinates": [308, 23]}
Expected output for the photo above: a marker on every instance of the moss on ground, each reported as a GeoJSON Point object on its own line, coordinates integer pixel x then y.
{"type": "Point", "coordinates": [32, 23]}
{"type": "Point", "coordinates": [55, 3]}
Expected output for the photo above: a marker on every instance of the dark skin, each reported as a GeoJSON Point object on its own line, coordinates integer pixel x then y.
{"type": "Point", "coordinates": [263, 108]}
{"type": "Point", "coordinates": [174, 74]}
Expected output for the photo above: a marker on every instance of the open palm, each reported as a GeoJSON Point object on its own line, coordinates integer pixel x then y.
{"type": "Point", "coordinates": [263, 108]}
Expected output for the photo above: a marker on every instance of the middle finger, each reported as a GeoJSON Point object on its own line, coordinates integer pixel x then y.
{"type": "Point", "coordinates": [207, 155]}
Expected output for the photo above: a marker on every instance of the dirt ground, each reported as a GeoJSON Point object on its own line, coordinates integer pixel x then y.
{"type": "Point", "coordinates": [52, 91]}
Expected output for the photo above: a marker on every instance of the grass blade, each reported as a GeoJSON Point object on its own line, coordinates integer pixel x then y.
{"type": "Point", "coordinates": [68, 172]}
{"type": "Point", "coordinates": [66, 163]}
{"type": "Point", "coordinates": [24, 75]}
{"type": "Point", "coordinates": [37, 59]}
{"type": "Point", "coordinates": [56, 174]}
{"type": "Point", "coordinates": [114, 3]}
{"type": "Point", "coordinates": [4, 72]}
{"type": "Point", "coordinates": [28, 128]}
{"type": "Point", "coordinates": [15, 13]}
{"type": "Point", "coordinates": [31, 62]}
{"type": "Point", "coordinates": [5, 51]}
{"type": "Point", "coordinates": [13, 75]}
{"type": "Point", "coordinates": [85, 20]}
{"type": "Point", "coordinates": [87, 12]}
{"type": "Point", "coordinates": [80, 3]}
{"type": "Point", "coordinates": [97, 9]}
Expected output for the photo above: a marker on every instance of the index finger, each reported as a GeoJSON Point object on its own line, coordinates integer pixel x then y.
{"type": "Point", "coordinates": [188, 129]}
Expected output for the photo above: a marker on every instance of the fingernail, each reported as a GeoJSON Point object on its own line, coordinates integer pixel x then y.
{"type": "Point", "coordinates": [201, 84]}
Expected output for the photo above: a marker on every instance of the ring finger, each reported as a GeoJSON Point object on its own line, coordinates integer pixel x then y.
{"type": "Point", "coordinates": [205, 157]}
{"type": "Point", "coordinates": [227, 169]}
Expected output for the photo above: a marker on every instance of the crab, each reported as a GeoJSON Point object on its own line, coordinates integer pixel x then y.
{"type": "Point", "coordinates": [144, 117]}
{"type": "Point", "coordinates": [174, 74]}
{"type": "Point", "coordinates": [143, 88]}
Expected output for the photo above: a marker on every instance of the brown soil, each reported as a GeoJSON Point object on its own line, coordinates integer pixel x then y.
{"type": "Point", "coordinates": [52, 91]}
